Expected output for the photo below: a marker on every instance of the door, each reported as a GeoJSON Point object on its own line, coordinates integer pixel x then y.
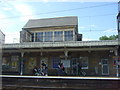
{"type": "Point", "coordinates": [74, 66]}
{"type": "Point", "coordinates": [105, 67]}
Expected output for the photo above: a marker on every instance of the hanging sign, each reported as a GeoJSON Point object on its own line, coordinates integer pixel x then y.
{"type": "Point", "coordinates": [116, 60]}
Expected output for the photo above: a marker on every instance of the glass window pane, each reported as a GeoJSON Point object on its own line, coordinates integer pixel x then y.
{"type": "Point", "coordinates": [68, 35]}
{"type": "Point", "coordinates": [58, 36]}
{"type": "Point", "coordinates": [55, 62]}
{"type": "Point", "coordinates": [39, 37]}
{"type": "Point", "coordinates": [48, 36]}
{"type": "Point", "coordinates": [32, 37]}
{"type": "Point", "coordinates": [119, 26]}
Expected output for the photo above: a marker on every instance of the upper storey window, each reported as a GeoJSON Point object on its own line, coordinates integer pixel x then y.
{"type": "Point", "coordinates": [39, 37]}
{"type": "Point", "coordinates": [68, 35]}
{"type": "Point", "coordinates": [52, 36]}
{"type": "Point", "coordinates": [33, 37]}
{"type": "Point", "coordinates": [58, 36]}
{"type": "Point", "coordinates": [48, 36]}
{"type": "Point", "coordinates": [118, 26]}
{"type": "Point", "coordinates": [119, 6]}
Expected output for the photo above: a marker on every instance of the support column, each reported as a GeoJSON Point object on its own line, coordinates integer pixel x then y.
{"type": "Point", "coordinates": [63, 36]}
{"type": "Point", "coordinates": [117, 68]}
{"type": "Point", "coordinates": [34, 37]}
{"type": "Point", "coordinates": [21, 63]}
{"type": "Point", "coordinates": [66, 56]}
{"type": "Point", "coordinates": [53, 37]}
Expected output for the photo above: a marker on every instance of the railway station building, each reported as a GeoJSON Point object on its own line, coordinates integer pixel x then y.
{"type": "Point", "coordinates": [55, 40]}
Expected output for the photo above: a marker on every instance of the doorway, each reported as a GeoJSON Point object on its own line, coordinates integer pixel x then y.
{"type": "Point", "coordinates": [75, 66]}
{"type": "Point", "coordinates": [105, 67]}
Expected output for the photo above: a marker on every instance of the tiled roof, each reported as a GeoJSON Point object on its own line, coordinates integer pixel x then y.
{"type": "Point", "coordinates": [49, 22]}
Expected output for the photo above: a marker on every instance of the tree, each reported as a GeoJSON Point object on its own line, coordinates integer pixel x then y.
{"type": "Point", "coordinates": [112, 37]}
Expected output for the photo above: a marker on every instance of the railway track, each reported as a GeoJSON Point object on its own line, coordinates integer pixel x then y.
{"type": "Point", "coordinates": [10, 82]}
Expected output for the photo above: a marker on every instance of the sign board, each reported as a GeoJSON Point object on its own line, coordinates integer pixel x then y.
{"type": "Point", "coordinates": [66, 63]}
{"type": "Point", "coordinates": [116, 60]}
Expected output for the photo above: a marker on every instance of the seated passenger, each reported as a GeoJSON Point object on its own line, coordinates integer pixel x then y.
{"type": "Point", "coordinates": [44, 71]}
{"type": "Point", "coordinates": [35, 71]}
{"type": "Point", "coordinates": [61, 70]}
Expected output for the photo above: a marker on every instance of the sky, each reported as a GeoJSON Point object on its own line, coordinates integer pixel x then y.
{"type": "Point", "coordinates": [95, 19]}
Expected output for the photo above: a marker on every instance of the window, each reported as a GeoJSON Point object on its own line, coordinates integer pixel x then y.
{"type": "Point", "coordinates": [48, 36]}
{"type": "Point", "coordinates": [84, 62]}
{"type": "Point", "coordinates": [119, 26]}
{"type": "Point", "coordinates": [5, 63]}
{"type": "Point", "coordinates": [58, 36]}
{"type": "Point", "coordinates": [68, 35]}
{"type": "Point", "coordinates": [55, 61]}
{"type": "Point", "coordinates": [32, 37]}
{"type": "Point", "coordinates": [28, 37]}
{"type": "Point", "coordinates": [119, 6]}
{"type": "Point", "coordinates": [14, 61]}
{"type": "Point", "coordinates": [39, 37]}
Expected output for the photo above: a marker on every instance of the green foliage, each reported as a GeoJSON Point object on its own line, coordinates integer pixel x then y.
{"type": "Point", "coordinates": [112, 37]}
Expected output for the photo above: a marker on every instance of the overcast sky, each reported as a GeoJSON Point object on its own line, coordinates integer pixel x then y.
{"type": "Point", "coordinates": [95, 18]}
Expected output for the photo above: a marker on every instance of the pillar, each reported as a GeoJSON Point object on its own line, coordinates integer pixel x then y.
{"type": "Point", "coordinates": [66, 57]}
{"type": "Point", "coordinates": [116, 54]}
{"type": "Point", "coordinates": [21, 63]}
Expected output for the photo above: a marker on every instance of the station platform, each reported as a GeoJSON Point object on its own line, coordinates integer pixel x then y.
{"type": "Point", "coordinates": [17, 82]}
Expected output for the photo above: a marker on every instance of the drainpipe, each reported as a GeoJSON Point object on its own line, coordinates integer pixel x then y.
{"type": "Point", "coordinates": [21, 63]}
